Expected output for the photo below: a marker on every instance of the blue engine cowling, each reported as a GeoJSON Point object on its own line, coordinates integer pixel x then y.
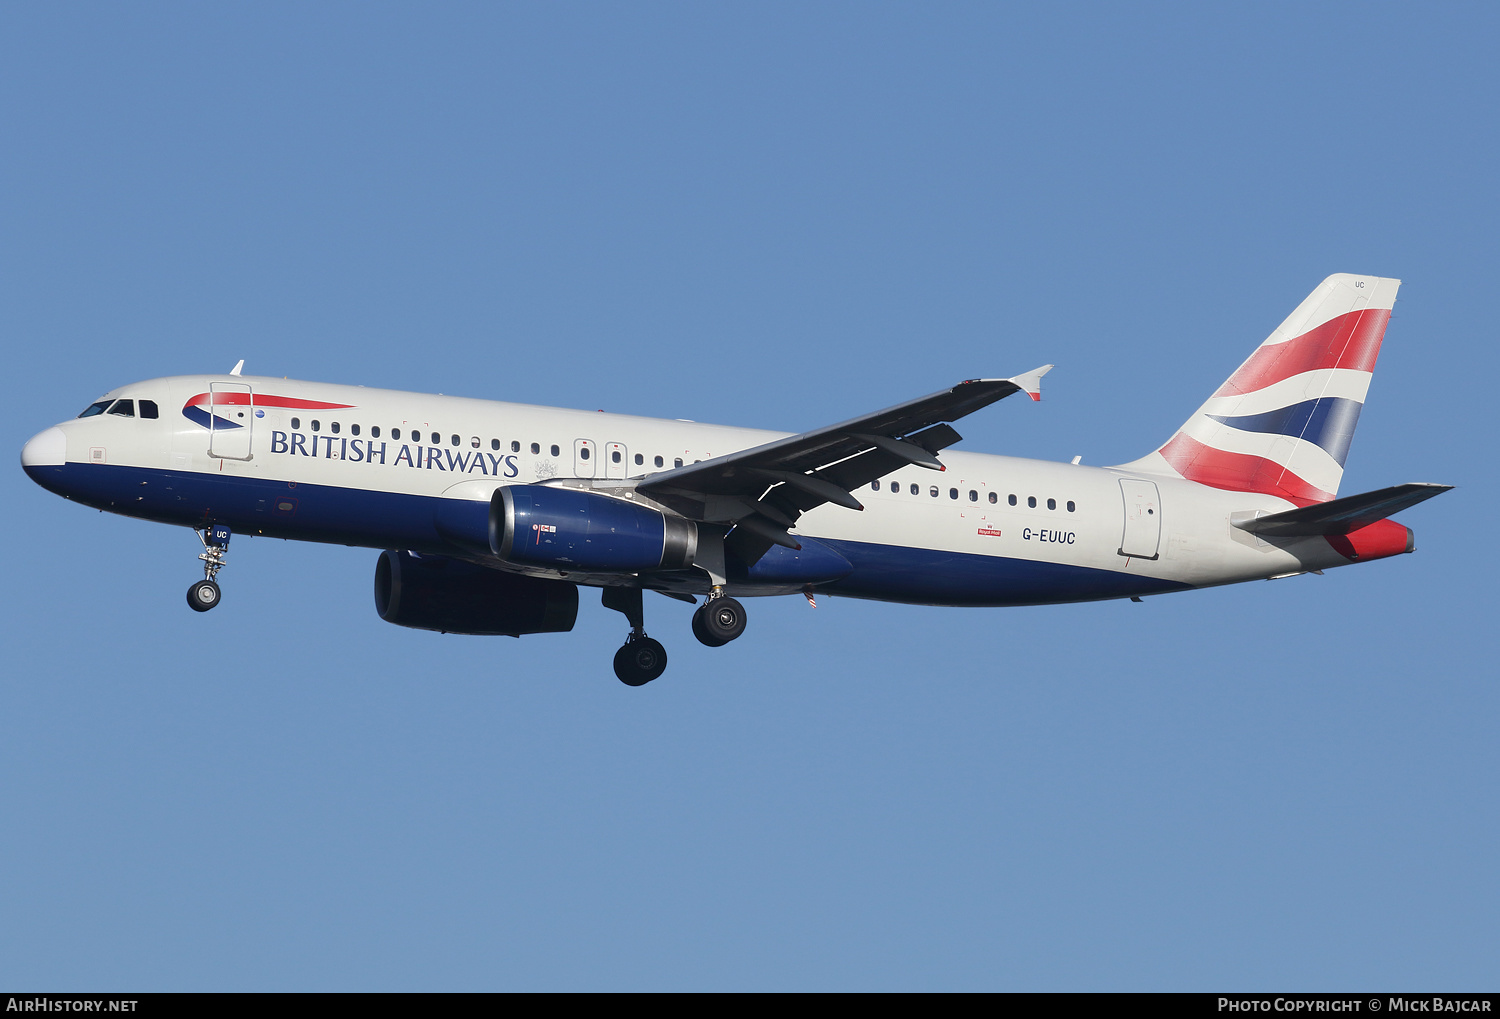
{"type": "Point", "coordinates": [563, 528]}
{"type": "Point", "coordinates": [453, 596]}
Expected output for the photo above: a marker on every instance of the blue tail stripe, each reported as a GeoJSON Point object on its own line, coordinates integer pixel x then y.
{"type": "Point", "coordinates": [1327, 422]}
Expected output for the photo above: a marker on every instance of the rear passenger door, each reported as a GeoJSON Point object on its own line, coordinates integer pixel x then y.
{"type": "Point", "coordinates": [1142, 533]}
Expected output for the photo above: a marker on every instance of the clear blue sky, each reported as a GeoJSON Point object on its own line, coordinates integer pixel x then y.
{"type": "Point", "coordinates": [779, 216]}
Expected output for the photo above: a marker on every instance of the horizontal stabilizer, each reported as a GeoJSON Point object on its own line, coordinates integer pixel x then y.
{"type": "Point", "coordinates": [1341, 516]}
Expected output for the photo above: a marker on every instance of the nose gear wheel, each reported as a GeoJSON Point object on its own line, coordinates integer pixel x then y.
{"type": "Point", "coordinates": [203, 595]}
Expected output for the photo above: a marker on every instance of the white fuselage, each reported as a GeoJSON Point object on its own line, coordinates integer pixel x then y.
{"type": "Point", "coordinates": [369, 469]}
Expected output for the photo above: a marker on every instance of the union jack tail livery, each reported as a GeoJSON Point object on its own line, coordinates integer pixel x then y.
{"type": "Point", "coordinates": [1282, 423]}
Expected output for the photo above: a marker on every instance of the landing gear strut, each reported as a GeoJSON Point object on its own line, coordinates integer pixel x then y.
{"type": "Point", "coordinates": [641, 659]}
{"type": "Point", "coordinates": [204, 594]}
{"type": "Point", "coordinates": [719, 620]}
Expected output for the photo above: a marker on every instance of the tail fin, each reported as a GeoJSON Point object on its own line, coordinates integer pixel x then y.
{"type": "Point", "coordinates": [1282, 423]}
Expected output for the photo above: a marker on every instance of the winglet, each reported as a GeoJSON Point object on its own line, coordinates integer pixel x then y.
{"type": "Point", "coordinates": [1031, 382]}
{"type": "Point", "coordinates": [236, 369]}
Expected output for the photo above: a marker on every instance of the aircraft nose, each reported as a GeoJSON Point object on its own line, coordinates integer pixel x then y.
{"type": "Point", "coordinates": [46, 449]}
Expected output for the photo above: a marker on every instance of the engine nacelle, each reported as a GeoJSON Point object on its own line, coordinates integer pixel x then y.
{"type": "Point", "coordinates": [453, 596]}
{"type": "Point", "coordinates": [566, 529]}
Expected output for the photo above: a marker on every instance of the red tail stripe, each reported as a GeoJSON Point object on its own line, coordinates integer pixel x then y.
{"type": "Point", "coordinates": [1349, 341]}
{"type": "Point", "coordinates": [1238, 472]}
{"type": "Point", "coordinates": [263, 400]}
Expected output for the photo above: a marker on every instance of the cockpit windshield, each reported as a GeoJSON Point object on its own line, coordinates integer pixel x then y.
{"type": "Point", "coordinates": [121, 408]}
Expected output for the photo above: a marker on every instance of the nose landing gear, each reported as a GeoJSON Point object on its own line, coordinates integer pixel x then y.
{"type": "Point", "coordinates": [204, 594]}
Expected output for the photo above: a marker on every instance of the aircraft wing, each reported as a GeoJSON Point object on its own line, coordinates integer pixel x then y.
{"type": "Point", "coordinates": [762, 490]}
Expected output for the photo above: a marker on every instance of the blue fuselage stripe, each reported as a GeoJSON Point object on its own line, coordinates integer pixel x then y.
{"type": "Point", "coordinates": [376, 519]}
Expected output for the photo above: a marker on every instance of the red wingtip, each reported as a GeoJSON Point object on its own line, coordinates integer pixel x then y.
{"type": "Point", "coordinates": [1037, 396]}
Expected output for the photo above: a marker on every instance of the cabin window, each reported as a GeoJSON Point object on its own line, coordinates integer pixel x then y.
{"type": "Point", "coordinates": [494, 444]}
{"type": "Point", "coordinates": [515, 447]}
{"type": "Point", "coordinates": [639, 459]}
{"type": "Point", "coordinates": [375, 431]}
{"type": "Point", "coordinates": [875, 485]}
{"type": "Point", "coordinates": [316, 426]}
{"type": "Point", "coordinates": [395, 433]}
{"type": "Point", "coordinates": [583, 452]}
{"type": "Point", "coordinates": [1052, 504]}
{"type": "Point", "coordinates": [614, 456]}
{"type": "Point", "coordinates": [1012, 500]}
{"type": "Point", "coordinates": [953, 493]}
{"type": "Point", "coordinates": [916, 489]}
{"type": "Point", "coordinates": [1031, 501]}
{"type": "Point", "coordinates": [556, 451]}
{"type": "Point", "coordinates": [973, 495]}
{"type": "Point", "coordinates": [536, 447]}
{"type": "Point", "coordinates": [1071, 507]}
{"type": "Point", "coordinates": [334, 428]}
{"type": "Point", "coordinates": [677, 462]}
{"type": "Point", "coordinates": [933, 492]}
{"type": "Point", "coordinates": [354, 429]}
{"type": "Point", "coordinates": [994, 498]}
{"type": "Point", "coordinates": [94, 409]}
{"type": "Point", "coordinates": [296, 422]}
{"type": "Point", "coordinates": [437, 439]}
{"type": "Point", "coordinates": [660, 462]}
{"type": "Point", "coordinates": [124, 408]}
{"type": "Point", "coordinates": [456, 440]}
{"type": "Point", "coordinates": [475, 442]}
{"type": "Point", "coordinates": [148, 408]}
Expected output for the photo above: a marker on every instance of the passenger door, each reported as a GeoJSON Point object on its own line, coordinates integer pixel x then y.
{"type": "Point", "coordinates": [231, 420]}
{"type": "Point", "coordinates": [1142, 535]}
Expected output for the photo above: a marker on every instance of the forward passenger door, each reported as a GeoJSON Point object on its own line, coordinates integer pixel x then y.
{"type": "Point", "coordinates": [231, 420]}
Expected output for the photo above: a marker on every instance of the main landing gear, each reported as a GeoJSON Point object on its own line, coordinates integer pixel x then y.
{"type": "Point", "coordinates": [719, 620]}
{"type": "Point", "coordinates": [204, 594]}
{"type": "Point", "coordinates": [716, 622]}
{"type": "Point", "coordinates": [641, 659]}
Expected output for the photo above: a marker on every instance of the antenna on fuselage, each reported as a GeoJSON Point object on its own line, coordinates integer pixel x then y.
{"type": "Point", "coordinates": [236, 369]}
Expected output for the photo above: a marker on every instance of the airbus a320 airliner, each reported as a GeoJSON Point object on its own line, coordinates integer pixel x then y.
{"type": "Point", "coordinates": [492, 515]}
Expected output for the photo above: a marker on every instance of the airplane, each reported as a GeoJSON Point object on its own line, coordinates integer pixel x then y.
{"type": "Point", "coordinates": [491, 516]}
